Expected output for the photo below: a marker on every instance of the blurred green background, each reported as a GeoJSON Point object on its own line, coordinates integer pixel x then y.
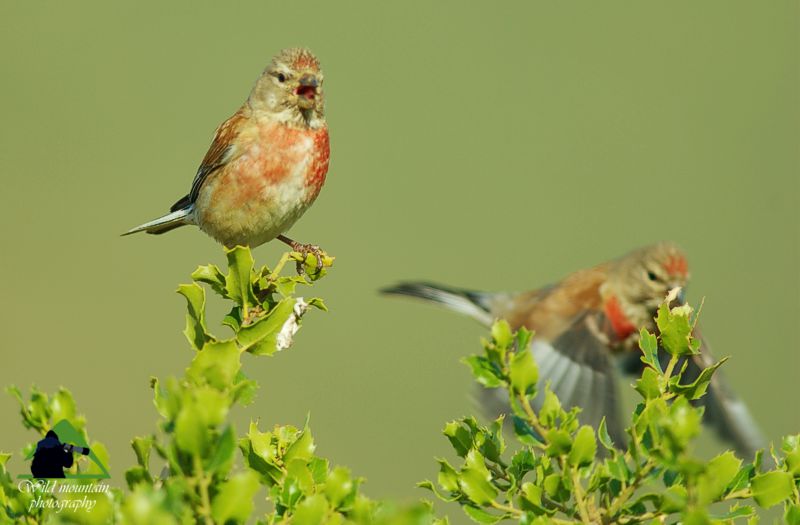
{"type": "Point", "coordinates": [495, 147]}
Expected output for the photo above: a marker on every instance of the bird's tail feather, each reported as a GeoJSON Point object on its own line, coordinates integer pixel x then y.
{"type": "Point", "coordinates": [163, 224]}
{"type": "Point", "coordinates": [474, 304]}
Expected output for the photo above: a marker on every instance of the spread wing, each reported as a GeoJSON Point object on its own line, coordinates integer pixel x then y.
{"type": "Point", "coordinates": [581, 372]}
{"type": "Point", "coordinates": [222, 150]}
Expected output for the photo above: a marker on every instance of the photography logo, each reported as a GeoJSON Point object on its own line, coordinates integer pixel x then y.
{"type": "Point", "coordinates": [54, 453]}
{"type": "Point", "coordinates": [57, 451]}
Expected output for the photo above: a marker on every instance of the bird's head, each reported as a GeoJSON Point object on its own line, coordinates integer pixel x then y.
{"type": "Point", "coordinates": [645, 276]}
{"type": "Point", "coordinates": [290, 89]}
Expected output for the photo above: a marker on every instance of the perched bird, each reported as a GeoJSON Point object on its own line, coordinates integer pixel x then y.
{"type": "Point", "coordinates": [266, 164]}
{"type": "Point", "coordinates": [587, 323]}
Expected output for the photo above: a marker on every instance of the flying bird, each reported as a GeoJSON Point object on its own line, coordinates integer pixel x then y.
{"type": "Point", "coordinates": [266, 164]}
{"type": "Point", "coordinates": [586, 327]}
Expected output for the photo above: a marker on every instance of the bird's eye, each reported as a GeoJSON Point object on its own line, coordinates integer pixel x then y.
{"type": "Point", "coordinates": [281, 77]}
{"type": "Point", "coordinates": [652, 275]}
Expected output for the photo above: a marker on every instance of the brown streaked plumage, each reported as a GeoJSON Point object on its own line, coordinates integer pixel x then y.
{"type": "Point", "coordinates": [266, 163]}
{"type": "Point", "coordinates": [587, 323]}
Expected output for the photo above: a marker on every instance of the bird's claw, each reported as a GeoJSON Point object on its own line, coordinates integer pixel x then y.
{"type": "Point", "coordinates": [305, 250]}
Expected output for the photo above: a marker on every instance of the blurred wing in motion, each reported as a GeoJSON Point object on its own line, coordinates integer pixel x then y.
{"type": "Point", "coordinates": [581, 373]}
{"type": "Point", "coordinates": [725, 411]}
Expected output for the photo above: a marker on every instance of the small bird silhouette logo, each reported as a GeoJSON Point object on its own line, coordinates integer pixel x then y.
{"type": "Point", "coordinates": [266, 164]}
{"type": "Point", "coordinates": [589, 320]}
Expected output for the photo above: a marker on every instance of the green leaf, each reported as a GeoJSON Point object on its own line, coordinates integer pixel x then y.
{"type": "Point", "coordinates": [475, 479]}
{"type": "Point", "coordinates": [290, 493]}
{"type": "Point", "coordinates": [524, 373]}
{"type": "Point", "coordinates": [142, 447]}
{"type": "Point", "coordinates": [793, 462]}
{"type": "Point", "coordinates": [136, 475]}
{"type": "Point", "coordinates": [603, 436]}
{"type": "Point", "coordinates": [287, 285]}
{"type": "Point", "coordinates": [484, 371]}
{"type": "Point", "coordinates": [222, 458]}
{"type": "Point", "coordinates": [195, 331]}
{"type": "Point", "coordinates": [792, 515]}
{"type": "Point", "coordinates": [493, 445]}
{"type": "Point", "coordinates": [191, 433]}
{"type": "Point", "coordinates": [552, 486]}
{"type": "Point", "coordinates": [167, 399]}
{"type": "Point", "coordinates": [771, 488]}
{"type": "Point", "coordinates": [318, 303]}
{"type": "Point", "coordinates": [260, 337]}
{"type": "Point", "coordinates": [239, 281]}
{"type": "Point", "coordinates": [100, 458]}
{"type": "Point", "coordinates": [501, 333]}
{"type": "Point", "coordinates": [673, 499]}
{"type": "Point", "coordinates": [319, 469]}
{"type": "Point", "coordinates": [212, 404]}
{"type": "Point", "coordinates": [311, 511]}
{"type": "Point", "coordinates": [649, 346]}
{"type": "Point", "coordinates": [742, 478]}
{"type": "Point", "coordinates": [459, 437]}
{"type": "Point", "coordinates": [234, 501]}
{"type": "Point", "coordinates": [522, 462]}
{"type": "Point", "coordinates": [584, 447]}
{"type": "Point", "coordinates": [790, 443]}
{"type": "Point", "coordinates": [523, 338]}
{"type": "Point", "coordinates": [448, 477]}
{"type": "Point", "coordinates": [211, 275]}
{"type": "Point", "coordinates": [618, 468]}
{"type": "Point", "coordinates": [339, 485]}
{"type": "Point", "coordinates": [698, 387]}
{"type": "Point", "coordinates": [720, 472]}
{"type": "Point", "coordinates": [218, 363]}
{"type": "Point", "coordinates": [299, 469]}
{"type": "Point", "coordinates": [428, 485]}
{"type": "Point", "coordinates": [559, 441]}
{"type": "Point", "coordinates": [683, 422]}
{"type": "Point", "coordinates": [675, 328]}
{"type": "Point", "coordinates": [260, 460]}
{"type": "Point", "coordinates": [647, 385]}
{"type": "Point", "coordinates": [303, 448]}
{"type": "Point", "coordinates": [525, 434]}
{"type": "Point", "coordinates": [478, 515]}
{"type": "Point", "coordinates": [531, 498]}
{"type": "Point", "coordinates": [244, 389]}
{"type": "Point", "coordinates": [551, 408]}
{"type": "Point", "coordinates": [63, 406]}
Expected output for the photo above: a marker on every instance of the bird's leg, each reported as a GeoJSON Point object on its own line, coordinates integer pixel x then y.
{"type": "Point", "coordinates": [305, 249]}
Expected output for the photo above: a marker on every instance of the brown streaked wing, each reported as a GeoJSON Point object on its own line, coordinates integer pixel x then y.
{"type": "Point", "coordinates": [551, 310]}
{"type": "Point", "coordinates": [221, 152]}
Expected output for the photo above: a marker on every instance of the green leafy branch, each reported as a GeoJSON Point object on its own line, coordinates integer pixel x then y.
{"type": "Point", "coordinates": [558, 475]}
{"type": "Point", "coordinates": [200, 479]}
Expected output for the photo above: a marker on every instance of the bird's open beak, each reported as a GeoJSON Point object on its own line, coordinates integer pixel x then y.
{"type": "Point", "coordinates": [307, 91]}
{"type": "Point", "coordinates": [681, 297]}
